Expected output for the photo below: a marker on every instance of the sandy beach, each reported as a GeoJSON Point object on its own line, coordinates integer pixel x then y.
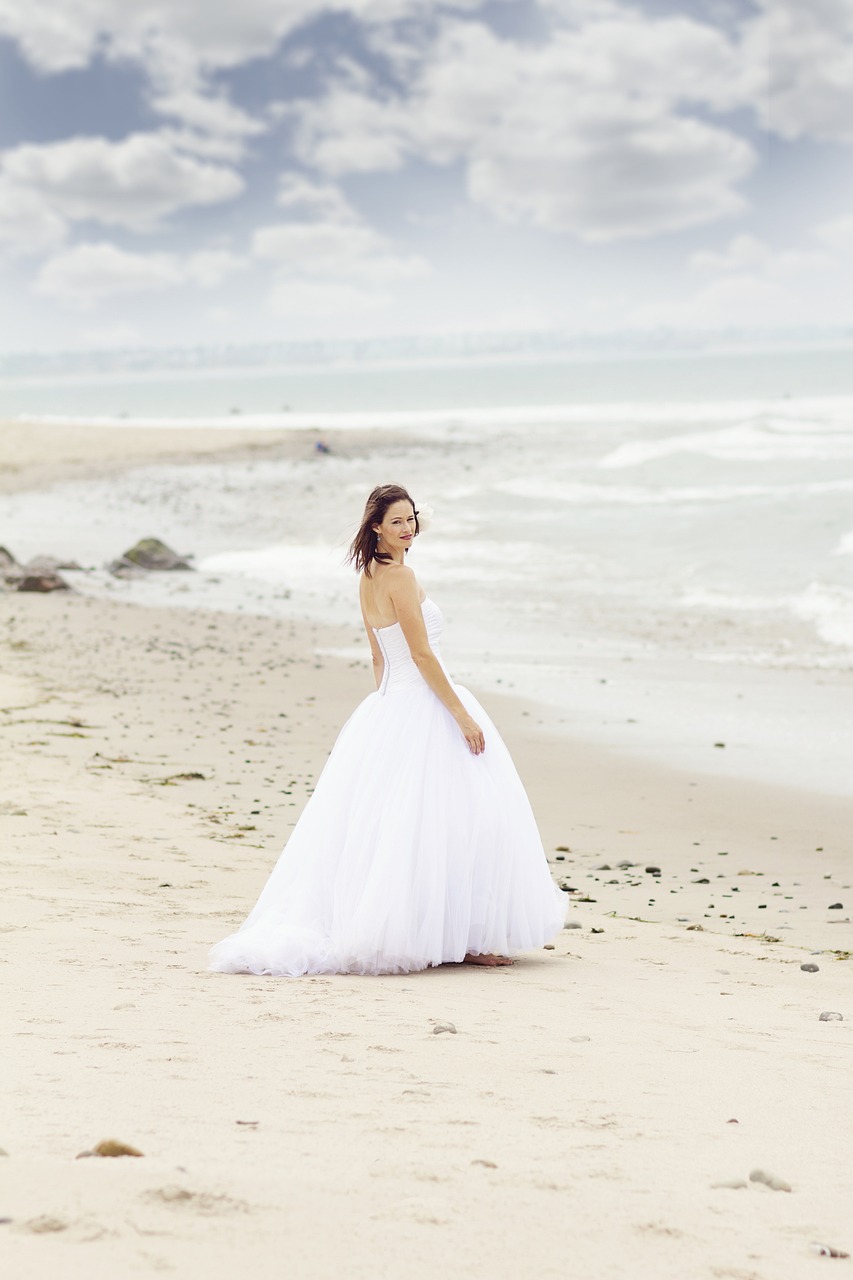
{"type": "Point", "coordinates": [585, 1113]}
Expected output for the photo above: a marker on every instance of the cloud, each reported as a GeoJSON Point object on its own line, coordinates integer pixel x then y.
{"type": "Point", "coordinates": [27, 223]}
{"type": "Point", "coordinates": [801, 60]}
{"type": "Point", "coordinates": [586, 132]}
{"type": "Point", "coordinates": [748, 253]}
{"type": "Point", "coordinates": [334, 250]}
{"type": "Point", "coordinates": [838, 235]}
{"type": "Point", "coordinates": [133, 183]}
{"type": "Point", "coordinates": [208, 114]}
{"type": "Point", "coordinates": [90, 273]}
{"type": "Point", "coordinates": [312, 199]}
{"type": "Point", "coordinates": [751, 283]}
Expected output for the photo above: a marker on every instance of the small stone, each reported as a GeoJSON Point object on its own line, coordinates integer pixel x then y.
{"type": "Point", "coordinates": [149, 554]}
{"type": "Point", "coordinates": [443, 1026]}
{"type": "Point", "coordinates": [733, 1121]}
{"type": "Point", "coordinates": [769, 1180]}
{"type": "Point", "coordinates": [605, 866]}
{"type": "Point", "coordinates": [719, 744]}
{"type": "Point", "coordinates": [827, 1250]}
{"type": "Point", "coordinates": [810, 968]}
{"type": "Point", "coordinates": [836, 906]}
{"type": "Point", "coordinates": [110, 1147]}
{"type": "Point", "coordinates": [549, 946]}
{"type": "Point", "coordinates": [704, 880]}
{"type": "Point", "coordinates": [731, 1184]}
{"type": "Point", "coordinates": [573, 924]}
{"type": "Point", "coordinates": [563, 848]}
{"type": "Point", "coordinates": [623, 866]}
{"type": "Point", "coordinates": [695, 928]}
{"type": "Point", "coordinates": [596, 931]}
{"type": "Point", "coordinates": [827, 1016]}
{"type": "Point", "coordinates": [653, 871]}
{"type": "Point", "coordinates": [44, 1224]}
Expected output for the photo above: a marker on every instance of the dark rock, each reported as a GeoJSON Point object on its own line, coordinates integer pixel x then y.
{"type": "Point", "coordinates": [704, 880]}
{"type": "Point", "coordinates": [42, 580]}
{"type": "Point", "coordinates": [810, 968]}
{"type": "Point", "coordinates": [573, 924]}
{"type": "Point", "coordinates": [149, 554]}
{"type": "Point", "coordinates": [829, 1016]}
{"type": "Point", "coordinates": [39, 564]}
{"type": "Point", "coordinates": [623, 866]}
{"type": "Point", "coordinates": [836, 906]}
{"type": "Point", "coordinates": [653, 871]}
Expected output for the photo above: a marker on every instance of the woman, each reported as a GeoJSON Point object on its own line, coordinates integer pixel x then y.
{"type": "Point", "coordinates": [418, 846]}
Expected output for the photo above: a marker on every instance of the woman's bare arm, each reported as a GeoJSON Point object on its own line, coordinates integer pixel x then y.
{"type": "Point", "coordinates": [403, 592]}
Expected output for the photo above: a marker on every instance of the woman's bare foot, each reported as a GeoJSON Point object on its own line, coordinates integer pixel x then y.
{"type": "Point", "coordinates": [489, 961]}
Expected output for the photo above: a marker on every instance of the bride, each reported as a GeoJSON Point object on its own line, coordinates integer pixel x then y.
{"type": "Point", "coordinates": [418, 846]}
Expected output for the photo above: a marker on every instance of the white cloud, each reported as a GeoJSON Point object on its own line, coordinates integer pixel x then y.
{"type": "Point", "coordinates": [585, 133]}
{"type": "Point", "coordinates": [133, 183]}
{"type": "Point", "coordinates": [90, 273]}
{"type": "Point", "coordinates": [313, 199]}
{"type": "Point", "coordinates": [27, 223]}
{"type": "Point", "coordinates": [207, 114]}
{"type": "Point", "coordinates": [838, 235]}
{"type": "Point", "coordinates": [334, 250]}
{"type": "Point", "coordinates": [748, 253]}
{"type": "Point", "coordinates": [800, 53]}
{"type": "Point", "coordinates": [751, 283]}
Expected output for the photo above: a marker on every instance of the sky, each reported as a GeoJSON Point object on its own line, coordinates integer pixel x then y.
{"type": "Point", "coordinates": [185, 172]}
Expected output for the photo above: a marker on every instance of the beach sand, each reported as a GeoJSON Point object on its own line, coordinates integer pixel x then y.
{"type": "Point", "coordinates": [152, 762]}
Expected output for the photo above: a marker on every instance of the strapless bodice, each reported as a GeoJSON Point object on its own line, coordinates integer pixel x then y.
{"type": "Point", "coordinates": [400, 670]}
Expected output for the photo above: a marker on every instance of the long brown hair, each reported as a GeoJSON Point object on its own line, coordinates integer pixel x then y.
{"type": "Point", "coordinates": [363, 548]}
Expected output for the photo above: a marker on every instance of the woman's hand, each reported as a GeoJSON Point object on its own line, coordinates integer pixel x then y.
{"type": "Point", "coordinates": [472, 733]}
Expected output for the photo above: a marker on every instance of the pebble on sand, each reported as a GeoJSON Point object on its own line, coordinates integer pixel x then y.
{"type": "Point", "coordinates": [827, 1250]}
{"type": "Point", "coordinates": [443, 1026]}
{"type": "Point", "coordinates": [835, 906]}
{"type": "Point", "coordinates": [769, 1180]}
{"type": "Point", "coordinates": [573, 924]}
{"type": "Point", "coordinates": [829, 1016]}
{"type": "Point", "coordinates": [810, 968]}
{"type": "Point", "coordinates": [110, 1147]}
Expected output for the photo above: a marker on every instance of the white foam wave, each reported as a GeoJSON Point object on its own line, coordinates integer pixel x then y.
{"type": "Point", "coordinates": [836, 413]}
{"type": "Point", "coordinates": [636, 495]}
{"type": "Point", "coordinates": [830, 608]}
{"type": "Point", "coordinates": [759, 438]}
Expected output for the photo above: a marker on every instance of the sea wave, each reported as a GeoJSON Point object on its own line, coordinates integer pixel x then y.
{"type": "Point", "coordinates": [762, 437]}
{"type": "Point", "coordinates": [579, 493]}
{"type": "Point", "coordinates": [833, 415]}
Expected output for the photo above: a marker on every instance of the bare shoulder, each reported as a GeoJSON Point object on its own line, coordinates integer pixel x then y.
{"type": "Point", "coordinates": [401, 582]}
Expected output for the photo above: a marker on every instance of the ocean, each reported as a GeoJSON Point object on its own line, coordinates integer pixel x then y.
{"type": "Point", "coordinates": [658, 552]}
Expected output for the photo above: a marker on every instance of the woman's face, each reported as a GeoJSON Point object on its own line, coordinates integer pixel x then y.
{"type": "Point", "coordinates": [398, 526]}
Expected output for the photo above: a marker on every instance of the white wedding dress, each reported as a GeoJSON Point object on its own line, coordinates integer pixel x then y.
{"type": "Point", "coordinates": [411, 852]}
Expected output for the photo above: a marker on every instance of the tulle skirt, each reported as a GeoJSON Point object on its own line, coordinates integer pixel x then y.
{"type": "Point", "coordinates": [411, 852]}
